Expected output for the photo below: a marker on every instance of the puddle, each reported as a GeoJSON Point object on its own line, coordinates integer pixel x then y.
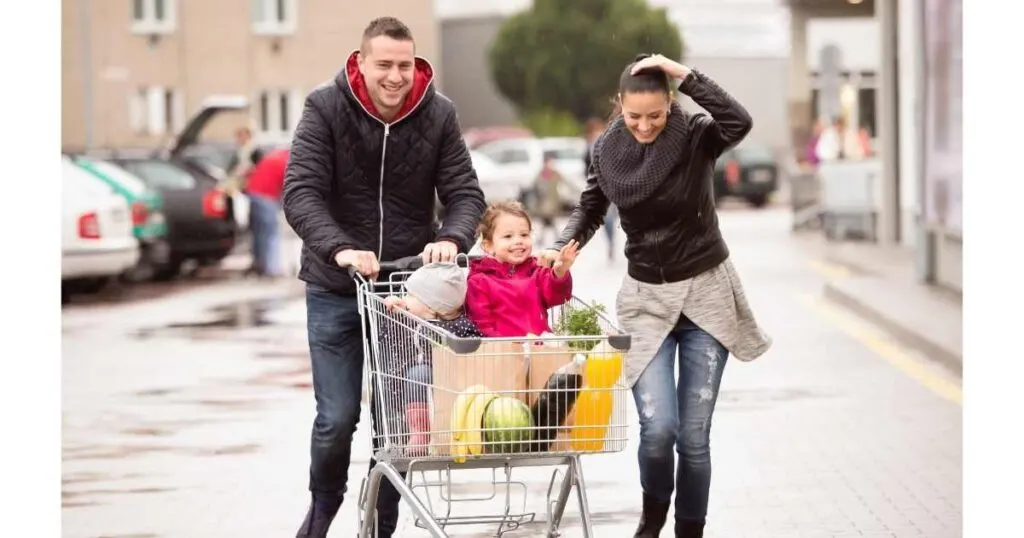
{"type": "Point", "coordinates": [232, 450]}
{"type": "Point", "coordinates": [147, 431]}
{"type": "Point", "coordinates": [114, 452]}
{"type": "Point", "coordinates": [155, 392]}
{"type": "Point", "coordinates": [244, 315]}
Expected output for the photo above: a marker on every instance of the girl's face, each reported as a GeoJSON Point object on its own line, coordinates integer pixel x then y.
{"type": "Point", "coordinates": [511, 241]}
{"type": "Point", "coordinates": [645, 114]}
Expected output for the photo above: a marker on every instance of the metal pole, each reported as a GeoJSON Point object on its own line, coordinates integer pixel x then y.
{"type": "Point", "coordinates": [85, 16]}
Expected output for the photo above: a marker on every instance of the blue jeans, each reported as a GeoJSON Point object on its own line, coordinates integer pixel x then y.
{"type": "Point", "coordinates": [266, 234]}
{"type": "Point", "coordinates": [336, 351]}
{"type": "Point", "coordinates": [418, 379]}
{"type": "Point", "coordinates": [679, 416]}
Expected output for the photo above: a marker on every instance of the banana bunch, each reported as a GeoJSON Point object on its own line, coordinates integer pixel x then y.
{"type": "Point", "coordinates": [467, 412]}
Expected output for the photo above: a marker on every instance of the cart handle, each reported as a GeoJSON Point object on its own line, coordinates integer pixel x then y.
{"type": "Point", "coordinates": [409, 263]}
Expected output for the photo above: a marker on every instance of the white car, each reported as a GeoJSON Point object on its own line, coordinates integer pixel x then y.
{"type": "Point", "coordinates": [96, 229]}
{"type": "Point", "coordinates": [497, 182]}
{"type": "Point", "coordinates": [523, 158]}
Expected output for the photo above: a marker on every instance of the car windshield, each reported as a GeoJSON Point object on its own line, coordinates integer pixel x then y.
{"type": "Point", "coordinates": [120, 175]}
{"type": "Point", "coordinates": [162, 175]}
{"type": "Point", "coordinates": [754, 153]}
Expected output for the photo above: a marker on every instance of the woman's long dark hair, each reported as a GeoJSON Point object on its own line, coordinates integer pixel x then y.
{"type": "Point", "coordinates": [651, 80]}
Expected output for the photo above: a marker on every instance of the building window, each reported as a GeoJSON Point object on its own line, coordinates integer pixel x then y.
{"type": "Point", "coordinates": [154, 16]}
{"type": "Point", "coordinates": [274, 17]}
{"type": "Point", "coordinates": [156, 110]}
{"type": "Point", "coordinates": [279, 110]}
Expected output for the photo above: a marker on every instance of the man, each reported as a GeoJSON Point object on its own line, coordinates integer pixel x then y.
{"type": "Point", "coordinates": [370, 150]}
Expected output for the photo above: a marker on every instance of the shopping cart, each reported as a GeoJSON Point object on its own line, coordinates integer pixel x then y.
{"type": "Point", "coordinates": [493, 403]}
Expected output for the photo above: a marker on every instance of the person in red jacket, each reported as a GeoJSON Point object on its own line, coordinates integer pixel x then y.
{"type": "Point", "coordinates": [264, 186]}
{"type": "Point", "coordinates": [508, 292]}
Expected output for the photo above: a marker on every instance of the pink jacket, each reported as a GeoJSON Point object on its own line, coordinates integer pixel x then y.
{"type": "Point", "coordinates": [506, 300]}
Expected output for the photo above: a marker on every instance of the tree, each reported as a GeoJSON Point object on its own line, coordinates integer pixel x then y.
{"type": "Point", "coordinates": [565, 56]}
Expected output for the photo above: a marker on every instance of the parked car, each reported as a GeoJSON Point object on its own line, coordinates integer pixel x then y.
{"type": "Point", "coordinates": [200, 225]}
{"type": "Point", "coordinates": [200, 215]}
{"type": "Point", "coordinates": [149, 226]}
{"type": "Point", "coordinates": [216, 157]}
{"type": "Point", "coordinates": [523, 159]}
{"type": "Point", "coordinates": [497, 182]}
{"type": "Point", "coordinates": [97, 243]}
{"type": "Point", "coordinates": [749, 171]}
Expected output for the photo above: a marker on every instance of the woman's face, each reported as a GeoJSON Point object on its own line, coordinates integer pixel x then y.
{"type": "Point", "coordinates": [645, 114]}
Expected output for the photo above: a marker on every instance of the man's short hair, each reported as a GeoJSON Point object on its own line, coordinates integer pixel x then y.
{"type": "Point", "coordinates": [387, 26]}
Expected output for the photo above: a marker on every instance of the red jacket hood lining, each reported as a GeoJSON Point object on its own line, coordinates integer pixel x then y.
{"type": "Point", "coordinates": [422, 77]}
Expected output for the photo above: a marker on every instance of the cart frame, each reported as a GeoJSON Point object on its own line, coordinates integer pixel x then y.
{"type": "Point", "coordinates": [391, 463]}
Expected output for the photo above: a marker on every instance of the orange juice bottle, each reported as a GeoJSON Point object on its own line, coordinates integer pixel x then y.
{"type": "Point", "coordinates": [593, 408]}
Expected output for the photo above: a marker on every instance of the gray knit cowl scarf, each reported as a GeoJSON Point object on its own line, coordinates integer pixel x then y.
{"type": "Point", "coordinates": [629, 172]}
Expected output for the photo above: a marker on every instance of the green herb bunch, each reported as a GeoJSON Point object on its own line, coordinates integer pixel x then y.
{"type": "Point", "coordinates": [580, 320]}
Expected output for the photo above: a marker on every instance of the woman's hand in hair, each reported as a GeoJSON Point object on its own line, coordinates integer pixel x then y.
{"type": "Point", "coordinates": [671, 68]}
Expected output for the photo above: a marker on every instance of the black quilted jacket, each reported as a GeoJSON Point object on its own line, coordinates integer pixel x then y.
{"type": "Point", "coordinates": [354, 181]}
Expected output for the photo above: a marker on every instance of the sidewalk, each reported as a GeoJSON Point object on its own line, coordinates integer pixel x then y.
{"type": "Point", "coordinates": [880, 284]}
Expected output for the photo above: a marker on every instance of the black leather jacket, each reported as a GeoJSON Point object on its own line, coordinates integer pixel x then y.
{"type": "Point", "coordinates": [673, 235]}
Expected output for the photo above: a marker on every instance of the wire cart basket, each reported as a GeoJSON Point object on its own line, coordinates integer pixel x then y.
{"type": "Point", "coordinates": [442, 404]}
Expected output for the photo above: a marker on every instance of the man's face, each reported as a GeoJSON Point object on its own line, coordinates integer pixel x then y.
{"type": "Point", "coordinates": [387, 66]}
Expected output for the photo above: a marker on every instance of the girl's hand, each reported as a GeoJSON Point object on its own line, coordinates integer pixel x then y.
{"type": "Point", "coordinates": [566, 257]}
{"type": "Point", "coordinates": [671, 68]}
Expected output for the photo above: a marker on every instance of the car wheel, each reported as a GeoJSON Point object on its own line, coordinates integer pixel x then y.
{"type": "Point", "coordinates": [168, 271]}
{"type": "Point", "coordinates": [758, 200]}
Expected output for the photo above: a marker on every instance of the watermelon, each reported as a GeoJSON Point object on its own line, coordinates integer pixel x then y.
{"type": "Point", "coordinates": [507, 426]}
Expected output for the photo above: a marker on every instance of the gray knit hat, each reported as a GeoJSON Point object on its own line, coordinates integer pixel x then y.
{"type": "Point", "coordinates": [440, 286]}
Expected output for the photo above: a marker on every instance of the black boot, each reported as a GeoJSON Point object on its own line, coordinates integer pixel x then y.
{"type": "Point", "coordinates": [653, 518]}
{"type": "Point", "coordinates": [319, 517]}
{"type": "Point", "coordinates": [689, 528]}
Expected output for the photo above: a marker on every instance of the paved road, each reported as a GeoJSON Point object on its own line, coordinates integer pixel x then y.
{"type": "Point", "coordinates": [188, 414]}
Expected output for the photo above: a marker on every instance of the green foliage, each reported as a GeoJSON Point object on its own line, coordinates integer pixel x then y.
{"type": "Point", "coordinates": [580, 320]}
{"type": "Point", "coordinates": [551, 123]}
{"type": "Point", "coordinates": [567, 55]}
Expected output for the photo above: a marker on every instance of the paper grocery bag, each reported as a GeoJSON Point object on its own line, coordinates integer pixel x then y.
{"type": "Point", "coordinates": [500, 366]}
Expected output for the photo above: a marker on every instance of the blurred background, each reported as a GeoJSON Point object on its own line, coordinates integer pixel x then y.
{"type": "Point", "coordinates": [843, 210]}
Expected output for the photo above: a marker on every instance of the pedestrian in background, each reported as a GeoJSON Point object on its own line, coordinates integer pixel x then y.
{"type": "Point", "coordinates": [264, 186]}
{"type": "Point", "coordinates": [681, 294]}
{"type": "Point", "coordinates": [549, 201]}
{"type": "Point", "coordinates": [372, 148]}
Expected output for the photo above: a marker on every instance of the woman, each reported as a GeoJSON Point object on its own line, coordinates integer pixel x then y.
{"type": "Point", "coordinates": [681, 292]}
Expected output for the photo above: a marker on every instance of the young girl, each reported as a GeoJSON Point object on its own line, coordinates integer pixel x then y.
{"type": "Point", "coordinates": [509, 293]}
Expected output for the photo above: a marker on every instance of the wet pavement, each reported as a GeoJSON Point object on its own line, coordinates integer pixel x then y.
{"type": "Point", "coordinates": [187, 414]}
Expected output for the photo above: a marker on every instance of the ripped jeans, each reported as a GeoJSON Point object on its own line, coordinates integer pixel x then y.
{"type": "Point", "coordinates": [679, 417]}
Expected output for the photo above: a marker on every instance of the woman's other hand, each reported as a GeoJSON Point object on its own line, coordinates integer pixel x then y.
{"type": "Point", "coordinates": [671, 68]}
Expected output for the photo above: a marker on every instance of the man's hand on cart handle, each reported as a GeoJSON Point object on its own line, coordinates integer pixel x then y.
{"type": "Point", "coordinates": [363, 261]}
{"type": "Point", "coordinates": [441, 251]}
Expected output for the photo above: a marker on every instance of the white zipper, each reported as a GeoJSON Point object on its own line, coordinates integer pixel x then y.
{"type": "Point", "coordinates": [380, 191]}
{"type": "Point", "coordinates": [383, 153]}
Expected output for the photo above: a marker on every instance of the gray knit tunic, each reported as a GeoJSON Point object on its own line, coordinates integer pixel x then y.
{"type": "Point", "coordinates": [714, 300]}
